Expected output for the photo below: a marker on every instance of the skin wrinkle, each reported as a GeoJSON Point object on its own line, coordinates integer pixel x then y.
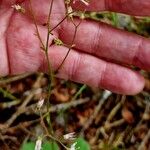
{"type": "Point", "coordinates": [121, 48]}
{"type": "Point", "coordinates": [123, 80]}
{"type": "Point", "coordinates": [76, 65]}
{"type": "Point", "coordinates": [141, 59]}
{"type": "Point", "coordinates": [107, 84]}
{"type": "Point", "coordinates": [96, 44]}
{"type": "Point", "coordinates": [134, 60]}
{"type": "Point", "coordinates": [95, 69]}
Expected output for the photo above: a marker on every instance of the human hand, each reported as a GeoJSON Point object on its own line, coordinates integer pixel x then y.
{"type": "Point", "coordinates": [94, 44]}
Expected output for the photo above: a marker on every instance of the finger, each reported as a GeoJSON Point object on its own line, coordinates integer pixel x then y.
{"type": "Point", "coordinates": [25, 55]}
{"type": "Point", "coordinates": [9, 3]}
{"type": "Point", "coordinates": [41, 12]}
{"type": "Point", "coordinates": [134, 7]}
{"type": "Point", "coordinates": [95, 72]}
{"type": "Point", "coordinates": [4, 21]}
{"type": "Point", "coordinates": [107, 42]}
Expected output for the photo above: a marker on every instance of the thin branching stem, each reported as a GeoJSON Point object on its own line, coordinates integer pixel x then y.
{"type": "Point", "coordinates": [36, 26]}
{"type": "Point", "coordinates": [51, 30]}
{"type": "Point", "coordinates": [45, 47]}
{"type": "Point", "coordinates": [50, 72]}
{"type": "Point", "coordinates": [72, 44]}
{"type": "Point", "coordinates": [48, 23]}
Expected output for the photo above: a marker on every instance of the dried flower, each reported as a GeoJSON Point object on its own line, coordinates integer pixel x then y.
{"type": "Point", "coordinates": [18, 8]}
{"type": "Point", "coordinates": [70, 136]}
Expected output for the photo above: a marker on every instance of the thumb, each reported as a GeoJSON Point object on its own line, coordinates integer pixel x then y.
{"type": "Point", "coordinates": [137, 7]}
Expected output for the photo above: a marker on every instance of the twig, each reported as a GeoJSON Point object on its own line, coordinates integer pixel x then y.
{"type": "Point", "coordinates": [114, 124]}
{"type": "Point", "coordinates": [21, 125]}
{"type": "Point", "coordinates": [7, 94]}
{"type": "Point", "coordinates": [144, 141]}
{"type": "Point", "coordinates": [50, 72]}
{"type": "Point", "coordinates": [52, 137]}
{"type": "Point", "coordinates": [51, 30]}
{"type": "Point", "coordinates": [79, 92]}
{"type": "Point", "coordinates": [119, 140]}
{"type": "Point", "coordinates": [12, 138]}
{"type": "Point", "coordinates": [115, 110]}
{"type": "Point", "coordinates": [67, 105]}
{"type": "Point", "coordinates": [23, 105]}
{"type": "Point", "coordinates": [1, 138]}
{"type": "Point", "coordinates": [56, 108]}
{"type": "Point", "coordinates": [72, 44]}
{"type": "Point", "coordinates": [105, 96]}
{"type": "Point", "coordinates": [36, 26]}
{"type": "Point", "coordinates": [107, 124]}
{"type": "Point", "coordinates": [107, 127]}
{"type": "Point", "coordinates": [15, 78]}
{"type": "Point", "coordinates": [111, 138]}
{"type": "Point", "coordinates": [9, 104]}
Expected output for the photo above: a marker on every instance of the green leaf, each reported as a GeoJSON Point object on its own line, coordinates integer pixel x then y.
{"type": "Point", "coordinates": [45, 146]}
{"type": "Point", "coordinates": [28, 146]}
{"type": "Point", "coordinates": [50, 146]}
{"type": "Point", "coordinates": [82, 144]}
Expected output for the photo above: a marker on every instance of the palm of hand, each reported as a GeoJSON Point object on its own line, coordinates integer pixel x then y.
{"type": "Point", "coordinates": [23, 45]}
{"type": "Point", "coordinates": [21, 49]}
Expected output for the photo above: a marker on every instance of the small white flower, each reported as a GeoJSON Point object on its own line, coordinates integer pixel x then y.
{"type": "Point", "coordinates": [38, 145]}
{"type": "Point", "coordinates": [73, 146]}
{"type": "Point", "coordinates": [40, 104]}
{"type": "Point", "coordinates": [106, 94]}
{"type": "Point", "coordinates": [70, 136]}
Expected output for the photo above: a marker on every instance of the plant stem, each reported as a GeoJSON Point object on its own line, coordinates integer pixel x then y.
{"type": "Point", "coordinates": [74, 36]}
